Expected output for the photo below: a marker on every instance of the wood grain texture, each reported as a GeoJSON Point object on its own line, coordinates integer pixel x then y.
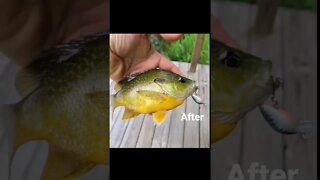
{"type": "Point", "coordinates": [204, 91]}
{"type": "Point", "coordinates": [192, 128]}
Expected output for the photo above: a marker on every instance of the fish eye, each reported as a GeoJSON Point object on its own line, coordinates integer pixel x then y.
{"type": "Point", "coordinates": [182, 80]}
{"type": "Point", "coordinates": [231, 60]}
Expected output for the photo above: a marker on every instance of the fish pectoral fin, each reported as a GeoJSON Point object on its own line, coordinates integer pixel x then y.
{"type": "Point", "coordinates": [129, 114]}
{"type": "Point", "coordinates": [159, 116]}
{"type": "Point", "coordinates": [151, 94]}
{"type": "Point", "coordinates": [61, 165]}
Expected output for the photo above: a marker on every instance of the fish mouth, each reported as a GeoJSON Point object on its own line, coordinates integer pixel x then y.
{"type": "Point", "coordinates": [275, 82]}
{"type": "Point", "coordinates": [195, 88]}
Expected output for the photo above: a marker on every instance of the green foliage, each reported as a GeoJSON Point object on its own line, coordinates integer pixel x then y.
{"type": "Point", "coordinates": [182, 49]}
{"type": "Point", "coordinates": [301, 4]}
{"type": "Point", "coordinates": [295, 4]}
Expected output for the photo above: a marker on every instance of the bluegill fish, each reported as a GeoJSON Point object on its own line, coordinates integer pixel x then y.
{"type": "Point", "coordinates": [240, 82]}
{"type": "Point", "coordinates": [153, 92]}
{"type": "Point", "coordinates": [65, 98]}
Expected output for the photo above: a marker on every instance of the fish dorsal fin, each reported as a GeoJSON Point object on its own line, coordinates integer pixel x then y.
{"type": "Point", "coordinates": [159, 116]}
{"type": "Point", "coordinates": [129, 114]}
{"type": "Point", "coordinates": [126, 80]}
{"type": "Point", "coordinates": [26, 82]}
{"type": "Point", "coordinates": [29, 77]}
{"type": "Point", "coordinates": [151, 94]}
{"type": "Point", "coordinates": [118, 85]}
{"type": "Point", "coordinates": [100, 99]}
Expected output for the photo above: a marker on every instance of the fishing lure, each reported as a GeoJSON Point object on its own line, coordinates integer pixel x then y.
{"type": "Point", "coordinates": [282, 121]}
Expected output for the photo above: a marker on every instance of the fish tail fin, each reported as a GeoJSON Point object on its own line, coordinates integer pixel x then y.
{"type": "Point", "coordinates": [305, 129]}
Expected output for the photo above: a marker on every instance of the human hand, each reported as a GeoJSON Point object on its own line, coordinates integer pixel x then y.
{"type": "Point", "coordinates": [220, 34]}
{"type": "Point", "coordinates": [29, 27]}
{"type": "Point", "coordinates": [133, 53]}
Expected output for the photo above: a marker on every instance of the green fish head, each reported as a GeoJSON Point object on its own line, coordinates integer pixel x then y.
{"type": "Point", "coordinates": [240, 81]}
{"type": "Point", "coordinates": [176, 86]}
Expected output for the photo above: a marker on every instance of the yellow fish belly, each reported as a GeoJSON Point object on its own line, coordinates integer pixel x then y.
{"type": "Point", "coordinates": [220, 131]}
{"type": "Point", "coordinates": [146, 106]}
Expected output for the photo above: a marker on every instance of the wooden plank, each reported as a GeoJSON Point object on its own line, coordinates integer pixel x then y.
{"type": "Point", "coordinates": [204, 91]}
{"type": "Point", "coordinates": [256, 129]}
{"type": "Point", "coordinates": [147, 132]}
{"type": "Point", "coordinates": [266, 15]}
{"type": "Point", "coordinates": [226, 153]}
{"type": "Point", "coordinates": [118, 130]}
{"type": "Point", "coordinates": [192, 128]}
{"type": "Point", "coordinates": [132, 133]}
{"type": "Point", "coordinates": [114, 116]}
{"type": "Point", "coordinates": [161, 135]}
{"type": "Point", "coordinates": [176, 131]}
{"type": "Point", "coordinates": [300, 57]}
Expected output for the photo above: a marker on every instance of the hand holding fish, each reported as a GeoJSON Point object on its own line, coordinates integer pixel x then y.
{"type": "Point", "coordinates": [133, 53]}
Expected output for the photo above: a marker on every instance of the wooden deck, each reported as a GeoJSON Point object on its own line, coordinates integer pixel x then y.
{"type": "Point", "coordinates": [293, 49]}
{"type": "Point", "coordinates": [142, 132]}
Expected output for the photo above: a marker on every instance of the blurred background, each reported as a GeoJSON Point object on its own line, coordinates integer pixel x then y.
{"type": "Point", "coordinates": [182, 49]}
{"type": "Point", "coordinates": [284, 31]}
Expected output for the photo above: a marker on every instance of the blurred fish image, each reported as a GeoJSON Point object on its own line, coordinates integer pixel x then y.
{"type": "Point", "coordinates": [65, 99]}
{"type": "Point", "coordinates": [240, 82]}
{"type": "Point", "coordinates": [153, 92]}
